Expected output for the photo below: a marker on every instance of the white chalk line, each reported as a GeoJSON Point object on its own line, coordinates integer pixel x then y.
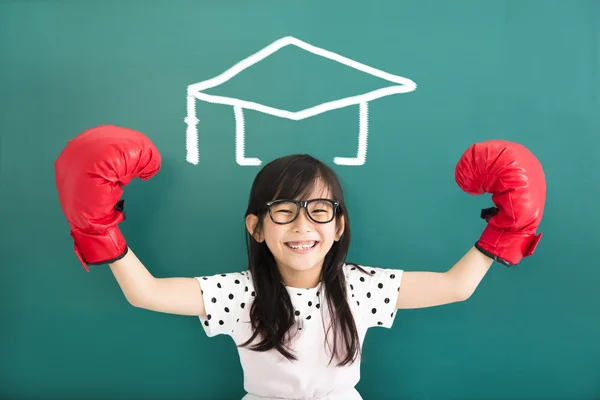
{"type": "Point", "coordinates": [308, 112]}
{"type": "Point", "coordinates": [195, 92]}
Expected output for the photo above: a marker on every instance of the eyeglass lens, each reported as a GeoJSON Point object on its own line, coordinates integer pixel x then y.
{"type": "Point", "coordinates": [319, 211]}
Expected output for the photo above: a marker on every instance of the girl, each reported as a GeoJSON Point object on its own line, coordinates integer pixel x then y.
{"type": "Point", "coordinates": [299, 313]}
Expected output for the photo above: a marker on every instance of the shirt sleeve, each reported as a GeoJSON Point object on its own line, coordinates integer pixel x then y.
{"type": "Point", "coordinates": [225, 297]}
{"type": "Point", "coordinates": [375, 292]}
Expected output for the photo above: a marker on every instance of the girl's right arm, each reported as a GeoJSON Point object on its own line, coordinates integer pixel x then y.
{"type": "Point", "coordinates": [181, 296]}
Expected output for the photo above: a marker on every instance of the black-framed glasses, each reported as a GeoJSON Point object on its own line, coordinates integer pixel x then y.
{"type": "Point", "coordinates": [284, 211]}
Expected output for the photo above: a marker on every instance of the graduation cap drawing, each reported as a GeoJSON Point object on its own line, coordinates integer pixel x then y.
{"type": "Point", "coordinates": [196, 92]}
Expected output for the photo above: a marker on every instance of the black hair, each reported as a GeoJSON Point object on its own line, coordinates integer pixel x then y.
{"type": "Point", "coordinates": [272, 313]}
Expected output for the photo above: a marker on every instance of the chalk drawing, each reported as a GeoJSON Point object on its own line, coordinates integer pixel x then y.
{"type": "Point", "coordinates": [195, 92]}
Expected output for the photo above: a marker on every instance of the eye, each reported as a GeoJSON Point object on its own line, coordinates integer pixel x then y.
{"type": "Point", "coordinates": [320, 207]}
{"type": "Point", "coordinates": [284, 208]}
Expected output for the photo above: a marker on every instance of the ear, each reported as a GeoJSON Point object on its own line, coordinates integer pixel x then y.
{"type": "Point", "coordinates": [341, 225]}
{"type": "Point", "coordinates": [251, 222]}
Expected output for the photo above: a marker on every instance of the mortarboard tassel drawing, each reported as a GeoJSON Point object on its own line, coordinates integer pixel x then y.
{"type": "Point", "coordinates": [196, 92]}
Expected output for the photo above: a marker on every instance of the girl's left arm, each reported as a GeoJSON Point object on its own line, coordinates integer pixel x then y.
{"type": "Point", "coordinates": [427, 289]}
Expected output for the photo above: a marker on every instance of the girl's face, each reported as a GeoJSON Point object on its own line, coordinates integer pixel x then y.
{"type": "Point", "coordinates": [300, 246]}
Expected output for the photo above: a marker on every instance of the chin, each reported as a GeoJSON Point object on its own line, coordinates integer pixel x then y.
{"type": "Point", "coordinates": [304, 267]}
{"type": "Point", "coordinates": [302, 263]}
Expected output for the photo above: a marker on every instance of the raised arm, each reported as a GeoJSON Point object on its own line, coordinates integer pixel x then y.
{"type": "Point", "coordinates": [90, 174]}
{"type": "Point", "coordinates": [514, 177]}
{"type": "Point", "coordinates": [181, 296]}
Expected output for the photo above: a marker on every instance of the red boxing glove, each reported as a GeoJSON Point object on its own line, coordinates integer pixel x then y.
{"type": "Point", "coordinates": [90, 173]}
{"type": "Point", "coordinates": [515, 178]}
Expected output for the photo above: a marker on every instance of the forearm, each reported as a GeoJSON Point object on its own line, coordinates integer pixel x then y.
{"type": "Point", "coordinates": [469, 271]}
{"type": "Point", "coordinates": [181, 296]}
{"type": "Point", "coordinates": [133, 277]}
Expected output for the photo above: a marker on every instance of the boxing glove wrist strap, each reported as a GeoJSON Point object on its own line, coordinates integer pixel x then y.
{"type": "Point", "coordinates": [95, 248]}
{"type": "Point", "coordinates": [507, 247]}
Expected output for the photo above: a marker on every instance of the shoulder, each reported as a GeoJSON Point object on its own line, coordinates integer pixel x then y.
{"type": "Point", "coordinates": [225, 296]}
{"type": "Point", "coordinates": [230, 279]}
{"type": "Point", "coordinates": [375, 291]}
{"type": "Point", "coordinates": [369, 275]}
{"type": "Point", "coordinates": [227, 286]}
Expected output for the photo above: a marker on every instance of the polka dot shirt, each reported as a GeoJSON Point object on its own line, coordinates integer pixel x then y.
{"type": "Point", "coordinates": [227, 298]}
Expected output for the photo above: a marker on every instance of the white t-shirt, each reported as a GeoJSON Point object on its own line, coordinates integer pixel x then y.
{"type": "Point", "coordinates": [269, 375]}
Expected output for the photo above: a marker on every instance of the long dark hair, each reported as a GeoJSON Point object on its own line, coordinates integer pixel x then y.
{"type": "Point", "coordinates": [271, 313]}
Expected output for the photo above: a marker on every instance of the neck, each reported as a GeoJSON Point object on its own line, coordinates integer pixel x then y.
{"type": "Point", "coordinates": [301, 279]}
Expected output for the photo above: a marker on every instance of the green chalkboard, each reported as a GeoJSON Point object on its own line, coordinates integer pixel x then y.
{"type": "Point", "coordinates": [389, 93]}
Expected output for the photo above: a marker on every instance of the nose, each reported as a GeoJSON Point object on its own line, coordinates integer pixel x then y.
{"type": "Point", "coordinates": [302, 221]}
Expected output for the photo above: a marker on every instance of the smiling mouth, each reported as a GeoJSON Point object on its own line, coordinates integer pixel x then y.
{"type": "Point", "coordinates": [302, 245]}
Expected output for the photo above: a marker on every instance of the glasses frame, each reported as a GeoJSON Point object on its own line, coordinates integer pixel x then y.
{"type": "Point", "coordinates": [303, 204]}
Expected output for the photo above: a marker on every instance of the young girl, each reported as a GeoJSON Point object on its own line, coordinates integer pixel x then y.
{"type": "Point", "coordinates": [299, 313]}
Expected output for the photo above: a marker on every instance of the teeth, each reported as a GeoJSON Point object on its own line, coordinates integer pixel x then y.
{"type": "Point", "coordinates": [302, 246]}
